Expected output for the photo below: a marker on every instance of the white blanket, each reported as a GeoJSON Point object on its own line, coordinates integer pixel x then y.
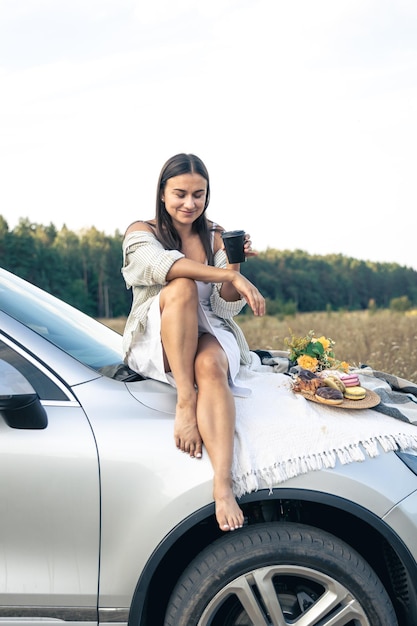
{"type": "Point", "coordinates": [280, 434]}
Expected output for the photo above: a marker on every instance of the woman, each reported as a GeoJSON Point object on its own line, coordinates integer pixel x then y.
{"type": "Point", "coordinates": [180, 329]}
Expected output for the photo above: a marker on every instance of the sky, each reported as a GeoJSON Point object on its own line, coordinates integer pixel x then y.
{"type": "Point", "coordinates": [304, 112]}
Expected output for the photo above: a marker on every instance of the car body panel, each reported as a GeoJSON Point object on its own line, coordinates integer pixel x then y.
{"type": "Point", "coordinates": [49, 522]}
{"type": "Point", "coordinates": [402, 518]}
{"type": "Point", "coordinates": [139, 464]}
{"type": "Point", "coordinates": [376, 484]}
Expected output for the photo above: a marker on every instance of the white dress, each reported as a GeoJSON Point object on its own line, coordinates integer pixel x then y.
{"type": "Point", "coordinates": [146, 354]}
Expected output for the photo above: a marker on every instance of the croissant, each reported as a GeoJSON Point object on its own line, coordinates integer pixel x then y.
{"type": "Point", "coordinates": [307, 381]}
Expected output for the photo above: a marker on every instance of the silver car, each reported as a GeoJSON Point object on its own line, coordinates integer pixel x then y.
{"type": "Point", "coordinates": [103, 521]}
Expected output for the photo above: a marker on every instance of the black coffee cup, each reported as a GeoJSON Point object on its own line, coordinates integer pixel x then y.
{"type": "Point", "coordinates": [233, 242]}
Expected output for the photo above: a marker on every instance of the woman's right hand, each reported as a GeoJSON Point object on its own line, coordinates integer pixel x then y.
{"type": "Point", "coordinates": [251, 294]}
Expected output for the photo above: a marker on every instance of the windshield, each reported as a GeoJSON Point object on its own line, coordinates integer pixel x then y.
{"type": "Point", "coordinates": [79, 335]}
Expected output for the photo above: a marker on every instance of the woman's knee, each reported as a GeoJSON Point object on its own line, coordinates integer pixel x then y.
{"type": "Point", "coordinates": [179, 291]}
{"type": "Point", "coordinates": [211, 364]}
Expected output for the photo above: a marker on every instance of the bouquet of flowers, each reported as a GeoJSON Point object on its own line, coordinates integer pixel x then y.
{"type": "Point", "coordinates": [314, 353]}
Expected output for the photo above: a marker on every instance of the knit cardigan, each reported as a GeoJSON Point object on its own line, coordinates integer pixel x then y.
{"type": "Point", "coordinates": [146, 264]}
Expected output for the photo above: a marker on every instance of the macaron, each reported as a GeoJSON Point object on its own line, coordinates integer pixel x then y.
{"type": "Point", "coordinates": [355, 393]}
{"type": "Point", "coordinates": [350, 380]}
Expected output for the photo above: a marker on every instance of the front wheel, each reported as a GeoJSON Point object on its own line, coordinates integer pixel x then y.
{"type": "Point", "coordinates": [279, 574]}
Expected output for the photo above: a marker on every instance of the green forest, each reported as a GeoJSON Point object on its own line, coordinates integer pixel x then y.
{"type": "Point", "coordinates": [83, 269]}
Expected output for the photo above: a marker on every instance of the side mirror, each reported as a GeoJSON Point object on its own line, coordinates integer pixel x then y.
{"type": "Point", "coordinates": [20, 405]}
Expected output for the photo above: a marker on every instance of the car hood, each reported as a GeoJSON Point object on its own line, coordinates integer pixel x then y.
{"type": "Point", "coordinates": [154, 394]}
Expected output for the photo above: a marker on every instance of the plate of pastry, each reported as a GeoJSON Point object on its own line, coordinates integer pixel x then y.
{"type": "Point", "coordinates": [343, 392]}
{"type": "Point", "coordinates": [364, 398]}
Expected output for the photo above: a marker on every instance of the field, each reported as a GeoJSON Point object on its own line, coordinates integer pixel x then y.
{"type": "Point", "coordinates": [384, 340]}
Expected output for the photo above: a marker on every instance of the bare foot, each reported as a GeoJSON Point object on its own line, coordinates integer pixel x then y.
{"type": "Point", "coordinates": [186, 434]}
{"type": "Point", "coordinates": [229, 515]}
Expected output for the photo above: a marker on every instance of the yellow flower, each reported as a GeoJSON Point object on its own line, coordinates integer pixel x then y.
{"type": "Point", "coordinates": [324, 342]}
{"type": "Point", "coordinates": [307, 362]}
{"type": "Point", "coordinates": [312, 353]}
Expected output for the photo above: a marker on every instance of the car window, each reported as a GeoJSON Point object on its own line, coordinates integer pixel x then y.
{"type": "Point", "coordinates": [42, 384]}
{"type": "Point", "coordinates": [74, 332]}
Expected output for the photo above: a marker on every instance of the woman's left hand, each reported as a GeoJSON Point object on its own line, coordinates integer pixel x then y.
{"type": "Point", "coordinates": [247, 246]}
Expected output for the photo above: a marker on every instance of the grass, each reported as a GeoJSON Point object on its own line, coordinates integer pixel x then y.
{"type": "Point", "coordinates": [384, 340]}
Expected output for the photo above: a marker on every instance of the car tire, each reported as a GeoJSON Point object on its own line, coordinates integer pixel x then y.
{"type": "Point", "coordinates": [276, 574]}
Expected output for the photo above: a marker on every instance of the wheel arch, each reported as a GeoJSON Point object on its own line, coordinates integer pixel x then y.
{"type": "Point", "coordinates": [354, 524]}
{"type": "Point", "coordinates": [165, 555]}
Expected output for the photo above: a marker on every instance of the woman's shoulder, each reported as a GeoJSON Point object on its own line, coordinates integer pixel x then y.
{"type": "Point", "coordinates": [141, 225]}
{"type": "Point", "coordinates": [214, 226]}
{"type": "Point", "coordinates": [217, 230]}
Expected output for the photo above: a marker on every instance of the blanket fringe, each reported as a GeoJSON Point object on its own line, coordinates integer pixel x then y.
{"type": "Point", "coordinates": [281, 471]}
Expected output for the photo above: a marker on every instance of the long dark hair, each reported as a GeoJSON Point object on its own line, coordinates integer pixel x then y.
{"type": "Point", "coordinates": [165, 231]}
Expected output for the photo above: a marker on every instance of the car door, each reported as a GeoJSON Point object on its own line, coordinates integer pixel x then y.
{"type": "Point", "coordinates": [49, 506]}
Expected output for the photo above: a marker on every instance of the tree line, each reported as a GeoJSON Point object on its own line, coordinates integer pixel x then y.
{"type": "Point", "coordinates": [294, 281]}
{"type": "Point", "coordinates": [84, 269]}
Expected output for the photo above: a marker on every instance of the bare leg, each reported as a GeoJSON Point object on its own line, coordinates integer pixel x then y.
{"type": "Point", "coordinates": [216, 423]}
{"type": "Point", "coordinates": [179, 335]}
